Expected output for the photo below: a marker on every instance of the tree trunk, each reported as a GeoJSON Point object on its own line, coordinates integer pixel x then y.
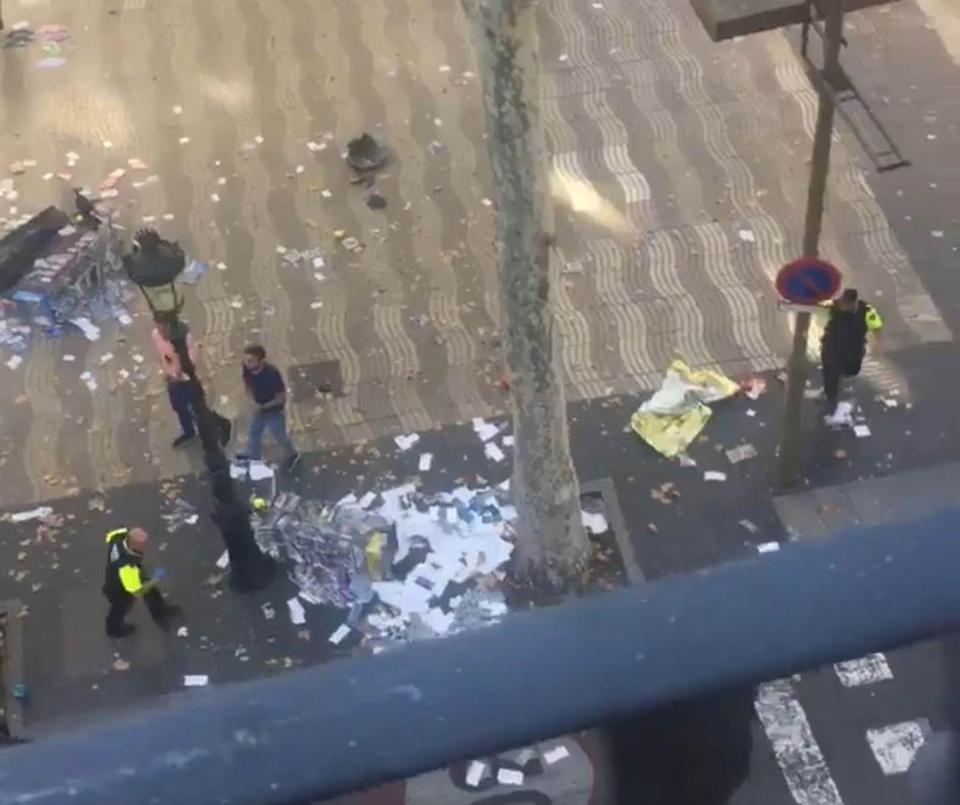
{"type": "Point", "coordinates": [552, 548]}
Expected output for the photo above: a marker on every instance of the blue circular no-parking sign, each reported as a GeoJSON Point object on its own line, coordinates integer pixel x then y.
{"type": "Point", "coordinates": [808, 281]}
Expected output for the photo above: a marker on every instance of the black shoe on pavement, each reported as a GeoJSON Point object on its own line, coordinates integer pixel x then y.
{"type": "Point", "coordinates": [125, 630]}
{"type": "Point", "coordinates": [182, 439]}
{"type": "Point", "coordinates": [292, 462]}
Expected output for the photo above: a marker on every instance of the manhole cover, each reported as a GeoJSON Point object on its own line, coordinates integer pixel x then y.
{"type": "Point", "coordinates": [309, 380]}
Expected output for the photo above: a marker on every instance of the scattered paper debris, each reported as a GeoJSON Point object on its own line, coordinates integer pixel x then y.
{"type": "Point", "coordinates": [741, 452]}
{"type": "Point", "coordinates": [556, 754]}
{"type": "Point", "coordinates": [268, 611]}
{"type": "Point", "coordinates": [426, 462]}
{"type": "Point", "coordinates": [32, 514]}
{"type": "Point", "coordinates": [298, 615]}
{"type": "Point", "coordinates": [768, 547]}
{"type": "Point", "coordinates": [713, 475]}
{"type": "Point", "coordinates": [87, 327]}
{"type": "Point", "coordinates": [475, 773]}
{"type": "Point", "coordinates": [224, 560]}
{"type": "Point", "coordinates": [485, 430]}
{"type": "Point", "coordinates": [14, 361]}
{"type": "Point", "coordinates": [260, 471]}
{"type": "Point", "coordinates": [510, 777]}
{"type": "Point", "coordinates": [594, 522]}
{"type": "Point", "coordinates": [748, 525]}
{"type": "Point", "coordinates": [183, 632]}
{"type": "Point", "coordinates": [195, 680]}
{"type": "Point", "coordinates": [747, 236]}
{"type": "Point", "coordinates": [406, 442]}
{"type": "Point", "coordinates": [342, 631]}
{"type": "Point", "coordinates": [861, 431]}
{"type": "Point", "coordinates": [121, 664]}
{"type": "Point", "coordinates": [493, 451]}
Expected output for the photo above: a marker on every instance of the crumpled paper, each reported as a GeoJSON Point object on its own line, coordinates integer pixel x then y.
{"type": "Point", "coordinates": [674, 416]}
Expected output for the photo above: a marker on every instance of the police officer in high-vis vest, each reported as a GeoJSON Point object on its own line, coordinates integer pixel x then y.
{"type": "Point", "coordinates": [844, 345]}
{"type": "Point", "coordinates": [126, 581]}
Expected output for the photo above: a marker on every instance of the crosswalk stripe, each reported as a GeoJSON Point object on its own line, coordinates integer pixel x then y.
{"type": "Point", "coordinates": [797, 751]}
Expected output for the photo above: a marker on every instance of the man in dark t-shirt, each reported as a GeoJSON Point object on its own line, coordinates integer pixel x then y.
{"type": "Point", "coordinates": [268, 392]}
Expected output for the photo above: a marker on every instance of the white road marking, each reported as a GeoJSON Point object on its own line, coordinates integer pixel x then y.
{"type": "Point", "coordinates": [895, 746]}
{"type": "Point", "coordinates": [864, 671]}
{"type": "Point", "coordinates": [801, 761]}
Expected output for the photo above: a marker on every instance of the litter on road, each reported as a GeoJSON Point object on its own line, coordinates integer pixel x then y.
{"type": "Point", "coordinates": [195, 680]}
{"type": "Point", "coordinates": [741, 452]}
{"type": "Point", "coordinates": [338, 636]}
{"type": "Point", "coordinates": [406, 442]}
{"type": "Point", "coordinates": [406, 567]}
{"type": "Point", "coordinates": [493, 451]}
{"type": "Point", "coordinates": [674, 416]}
{"type": "Point", "coordinates": [594, 522]}
{"type": "Point", "coordinates": [713, 475]}
{"type": "Point", "coordinates": [556, 754]}
{"type": "Point", "coordinates": [485, 430]}
{"type": "Point", "coordinates": [475, 773]}
{"type": "Point", "coordinates": [298, 615]}
{"type": "Point", "coordinates": [32, 514]}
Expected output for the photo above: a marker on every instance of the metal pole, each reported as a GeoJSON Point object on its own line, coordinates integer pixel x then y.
{"type": "Point", "coordinates": [819, 168]}
{"type": "Point", "coordinates": [250, 568]}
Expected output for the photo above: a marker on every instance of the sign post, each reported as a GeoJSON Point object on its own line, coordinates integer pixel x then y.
{"type": "Point", "coordinates": [813, 223]}
{"type": "Point", "coordinates": [808, 281]}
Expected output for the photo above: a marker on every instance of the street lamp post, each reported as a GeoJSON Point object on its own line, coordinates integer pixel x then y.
{"type": "Point", "coordinates": [154, 266]}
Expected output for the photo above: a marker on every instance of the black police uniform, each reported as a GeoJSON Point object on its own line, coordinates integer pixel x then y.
{"type": "Point", "coordinates": [124, 581]}
{"type": "Point", "coordinates": [844, 345]}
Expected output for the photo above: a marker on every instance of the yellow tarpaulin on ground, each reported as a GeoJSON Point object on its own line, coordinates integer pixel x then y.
{"type": "Point", "coordinates": [673, 417]}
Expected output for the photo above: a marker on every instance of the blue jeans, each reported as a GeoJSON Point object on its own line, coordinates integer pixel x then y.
{"type": "Point", "coordinates": [180, 395]}
{"type": "Point", "coordinates": [276, 423]}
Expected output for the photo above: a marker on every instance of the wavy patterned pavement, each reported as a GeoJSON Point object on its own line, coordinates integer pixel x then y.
{"type": "Point", "coordinates": [680, 168]}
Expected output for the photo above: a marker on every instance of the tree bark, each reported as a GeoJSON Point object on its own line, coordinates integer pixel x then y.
{"type": "Point", "coordinates": [552, 547]}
